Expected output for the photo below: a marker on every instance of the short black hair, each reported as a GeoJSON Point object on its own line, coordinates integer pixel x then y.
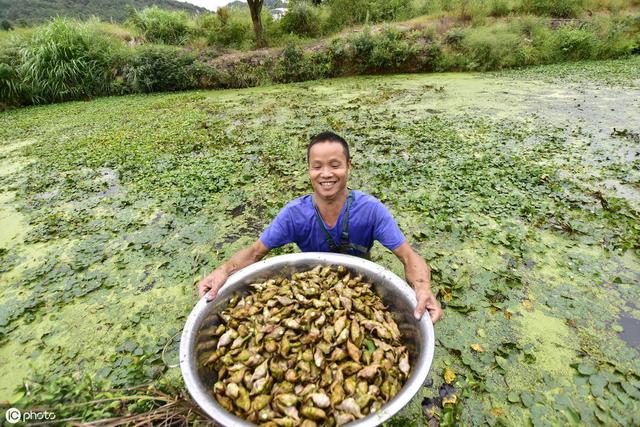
{"type": "Point", "coordinates": [329, 137]}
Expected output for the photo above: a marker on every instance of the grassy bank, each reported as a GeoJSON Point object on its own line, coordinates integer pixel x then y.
{"type": "Point", "coordinates": [166, 51]}
{"type": "Point", "coordinates": [514, 186]}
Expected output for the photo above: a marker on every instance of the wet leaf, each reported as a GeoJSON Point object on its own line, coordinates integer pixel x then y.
{"type": "Point", "coordinates": [527, 399]}
{"type": "Point", "coordinates": [498, 411]}
{"type": "Point", "coordinates": [450, 399]}
{"type": "Point", "coordinates": [449, 375]}
{"type": "Point", "coordinates": [586, 368]}
{"type": "Point", "coordinates": [477, 347]}
{"type": "Point", "coordinates": [502, 362]}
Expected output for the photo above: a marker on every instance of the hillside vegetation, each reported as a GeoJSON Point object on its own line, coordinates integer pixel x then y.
{"type": "Point", "coordinates": [21, 12]}
{"type": "Point", "coordinates": [160, 50]}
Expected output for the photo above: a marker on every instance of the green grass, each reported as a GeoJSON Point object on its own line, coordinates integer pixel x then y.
{"type": "Point", "coordinates": [66, 59]}
{"type": "Point", "coordinates": [517, 191]}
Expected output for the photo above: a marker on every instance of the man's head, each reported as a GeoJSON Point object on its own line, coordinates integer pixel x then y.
{"type": "Point", "coordinates": [329, 164]}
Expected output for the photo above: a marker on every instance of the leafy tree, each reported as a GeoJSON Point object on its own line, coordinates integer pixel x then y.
{"type": "Point", "coordinates": [302, 19]}
{"type": "Point", "coordinates": [255, 6]}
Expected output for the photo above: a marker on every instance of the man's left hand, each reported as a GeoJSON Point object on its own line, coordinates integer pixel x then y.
{"type": "Point", "coordinates": [427, 301]}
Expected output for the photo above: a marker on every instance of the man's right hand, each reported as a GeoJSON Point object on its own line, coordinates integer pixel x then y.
{"type": "Point", "coordinates": [210, 285]}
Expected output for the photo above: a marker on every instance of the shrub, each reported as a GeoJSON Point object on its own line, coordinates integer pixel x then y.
{"type": "Point", "coordinates": [391, 50]}
{"type": "Point", "coordinates": [66, 60]}
{"type": "Point", "coordinates": [228, 28]}
{"type": "Point", "coordinates": [601, 38]}
{"type": "Point", "coordinates": [243, 74]}
{"type": "Point", "coordinates": [12, 91]}
{"type": "Point", "coordinates": [571, 44]}
{"type": "Point", "coordinates": [349, 12]}
{"type": "Point", "coordinates": [617, 37]}
{"type": "Point", "coordinates": [161, 26]}
{"type": "Point", "coordinates": [555, 8]}
{"type": "Point", "coordinates": [454, 36]}
{"type": "Point", "coordinates": [491, 48]}
{"type": "Point", "coordinates": [294, 65]}
{"type": "Point", "coordinates": [387, 51]}
{"type": "Point", "coordinates": [114, 31]}
{"type": "Point", "coordinates": [340, 57]}
{"type": "Point", "coordinates": [291, 65]}
{"type": "Point", "coordinates": [302, 19]}
{"type": "Point", "coordinates": [153, 68]}
{"type": "Point", "coordinates": [388, 10]}
{"type": "Point", "coordinates": [499, 8]}
{"type": "Point", "coordinates": [430, 57]}
{"type": "Point", "coordinates": [474, 10]}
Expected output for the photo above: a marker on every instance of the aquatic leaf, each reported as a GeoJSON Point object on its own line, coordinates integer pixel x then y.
{"type": "Point", "coordinates": [477, 347]}
{"type": "Point", "coordinates": [598, 382]}
{"type": "Point", "coordinates": [527, 399]}
{"type": "Point", "coordinates": [502, 362]}
{"type": "Point", "coordinates": [450, 399]}
{"type": "Point", "coordinates": [449, 375]}
{"type": "Point", "coordinates": [586, 368]}
{"type": "Point", "coordinates": [498, 411]}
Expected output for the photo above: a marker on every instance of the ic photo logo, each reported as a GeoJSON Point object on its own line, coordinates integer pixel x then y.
{"type": "Point", "coordinates": [13, 415]}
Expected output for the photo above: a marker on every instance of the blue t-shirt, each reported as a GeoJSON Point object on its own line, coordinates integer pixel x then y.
{"type": "Point", "coordinates": [369, 220]}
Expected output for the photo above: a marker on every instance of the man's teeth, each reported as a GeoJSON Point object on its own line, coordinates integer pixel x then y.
{"type": "Point", "coordinates": [327, 184]}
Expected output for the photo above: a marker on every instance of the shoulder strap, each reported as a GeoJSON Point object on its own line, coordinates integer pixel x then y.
{"type": "Point", "coordinates": [345, 245]}
{"type": "Point", "coordinates": [332, 245]}
{"type": "Point", "coordinates": [344, 236]}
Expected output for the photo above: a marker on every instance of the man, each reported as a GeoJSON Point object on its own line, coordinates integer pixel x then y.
{"type": "Point", "coordinates": [333, 219]}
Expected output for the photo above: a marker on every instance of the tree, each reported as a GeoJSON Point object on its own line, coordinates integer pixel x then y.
{"type": "Point", "coordinates": [255, 6]}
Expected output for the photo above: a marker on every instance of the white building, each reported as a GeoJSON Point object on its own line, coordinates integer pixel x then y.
{"type": "Point", "coordinates": [278, 12]}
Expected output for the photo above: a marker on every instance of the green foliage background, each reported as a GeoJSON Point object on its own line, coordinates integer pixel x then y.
{"type": "Point", "coordinates": [67, 59]}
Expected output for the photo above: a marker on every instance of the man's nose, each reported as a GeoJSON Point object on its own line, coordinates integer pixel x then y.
{"type": "Point", "coordinates": [326, 172]}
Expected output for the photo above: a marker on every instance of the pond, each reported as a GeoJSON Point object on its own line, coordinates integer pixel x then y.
{"type": "Point", "coordinates": [521, 189]}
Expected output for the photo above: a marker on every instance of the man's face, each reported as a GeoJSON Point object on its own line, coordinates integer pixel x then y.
{"type": "Point", "coordinates": [328, 169]}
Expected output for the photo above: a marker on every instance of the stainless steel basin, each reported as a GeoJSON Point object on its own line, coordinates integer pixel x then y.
{"type": "Point", "coordinates": [396, 294]}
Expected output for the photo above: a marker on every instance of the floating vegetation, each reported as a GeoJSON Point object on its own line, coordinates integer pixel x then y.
{"type": "Point", "coordinates": [517, 191]}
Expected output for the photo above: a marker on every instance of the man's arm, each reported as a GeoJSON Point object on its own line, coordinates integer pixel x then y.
{"type": "Point", "coordinates": [247, 256]}
{"type": "Point", "coordinates": [418, 275]}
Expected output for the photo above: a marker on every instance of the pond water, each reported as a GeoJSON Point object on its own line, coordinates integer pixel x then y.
{"type": "Point", "coordinates": [514, 186]}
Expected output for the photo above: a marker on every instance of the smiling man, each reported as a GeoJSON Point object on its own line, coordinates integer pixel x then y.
{"type": "Point", "coordinates": [333, 219]}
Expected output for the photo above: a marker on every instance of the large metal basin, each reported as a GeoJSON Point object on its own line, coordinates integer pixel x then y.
{"type": "Point", "coordinates": [395, 293]}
